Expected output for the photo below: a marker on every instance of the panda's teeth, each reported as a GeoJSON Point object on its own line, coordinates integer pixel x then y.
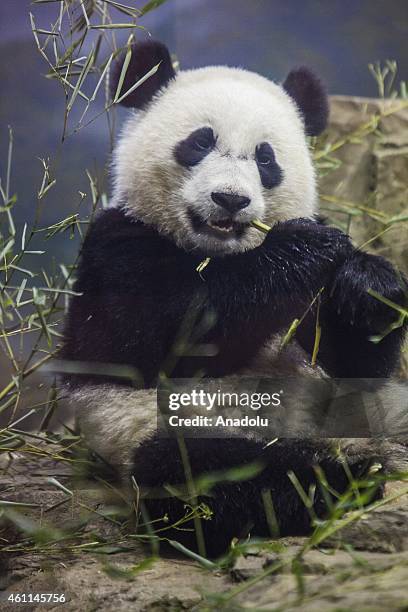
{"type": "Point", "coordinates": [222, 226]}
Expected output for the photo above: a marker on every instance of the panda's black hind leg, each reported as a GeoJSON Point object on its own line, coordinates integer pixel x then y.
{"type": "Point", "coordinates": [237, 508]}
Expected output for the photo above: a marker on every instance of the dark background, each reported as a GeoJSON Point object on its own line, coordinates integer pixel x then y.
{"type": "Point", "coordinates": [338, 38]}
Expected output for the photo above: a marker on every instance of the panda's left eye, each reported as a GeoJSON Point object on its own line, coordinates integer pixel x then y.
{"type": "Point", "coordinates": [269, 170]}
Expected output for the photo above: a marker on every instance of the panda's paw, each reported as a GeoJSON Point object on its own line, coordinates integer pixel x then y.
{"type": "Point", "coordinates": [329, 471]}
{"type": "Point", "coordinates": [310, 242]}
{"type": "Point", "coordinates": [352, 301]}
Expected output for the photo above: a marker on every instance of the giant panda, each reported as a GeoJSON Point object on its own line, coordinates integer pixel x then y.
{"type": "Point", "coordinates": [204, 153]}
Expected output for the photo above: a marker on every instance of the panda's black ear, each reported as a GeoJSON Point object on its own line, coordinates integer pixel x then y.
{"type": "Point", "coordinates": [310, 95]}
{"type": "Point", "coordinates": [145, 56]}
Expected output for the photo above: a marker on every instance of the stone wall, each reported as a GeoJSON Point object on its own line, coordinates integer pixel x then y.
{"type": "Point", "coordinates": [370, 138]}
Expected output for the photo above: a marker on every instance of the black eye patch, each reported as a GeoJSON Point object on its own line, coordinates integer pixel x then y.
{"type": "Point", "coordinates": [194, 148]}
{"type": "Point", "coordinates": [270, 172]}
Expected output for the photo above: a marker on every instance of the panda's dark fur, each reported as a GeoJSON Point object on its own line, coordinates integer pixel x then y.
{"type": "Point", "coordinates": [137, 287]}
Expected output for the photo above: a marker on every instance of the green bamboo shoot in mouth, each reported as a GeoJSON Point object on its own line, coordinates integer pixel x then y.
{"type": "Point", "coordinates": [262, 227]}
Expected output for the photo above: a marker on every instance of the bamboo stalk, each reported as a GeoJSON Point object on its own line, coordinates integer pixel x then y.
{"type": "Point", "coordinates": [262, 227]}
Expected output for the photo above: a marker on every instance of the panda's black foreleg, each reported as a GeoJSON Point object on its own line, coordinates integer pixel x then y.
{"type": "Point", "coordinates": [353, 318]}
{"type": "Point", "coordinates": [238, 508]}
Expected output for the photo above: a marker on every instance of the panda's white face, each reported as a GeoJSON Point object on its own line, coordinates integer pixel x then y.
{"type": "Point", "coordinates": [218, 148]}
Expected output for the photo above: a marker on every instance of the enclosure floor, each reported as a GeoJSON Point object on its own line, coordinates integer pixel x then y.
{"type": "Point", "coordinates": [364, 568]}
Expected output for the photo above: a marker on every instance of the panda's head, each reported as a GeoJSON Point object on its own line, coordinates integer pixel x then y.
{"type": "Point", "coordinates": [212, 149]}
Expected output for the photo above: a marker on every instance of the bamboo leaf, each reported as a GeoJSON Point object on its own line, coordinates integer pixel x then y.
{"type": "Point", "coordinates": [189, 553]}
{"type": "Point", "coordinates": [84, 72]}
{"type": "Point", "coordinates": [137, 84]}
{"type": "Point", "coordinates": [153, 4]}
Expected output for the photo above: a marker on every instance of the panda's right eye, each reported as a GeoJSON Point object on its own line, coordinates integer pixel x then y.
{"type": "Point", "coordinates": [195, 147]}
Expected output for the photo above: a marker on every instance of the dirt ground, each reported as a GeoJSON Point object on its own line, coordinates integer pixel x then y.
{"type": "Point", "coordinates": [364, 567]}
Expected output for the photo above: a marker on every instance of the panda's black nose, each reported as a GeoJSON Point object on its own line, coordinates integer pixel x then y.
{"type": "Point", "coordinates": [231, 202]}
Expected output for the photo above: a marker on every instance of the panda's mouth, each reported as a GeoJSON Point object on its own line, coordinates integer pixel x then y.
{"type": "Point", "coordinates": [225, 226]}
{"type": "Point", "coordinates": [220, 228]}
